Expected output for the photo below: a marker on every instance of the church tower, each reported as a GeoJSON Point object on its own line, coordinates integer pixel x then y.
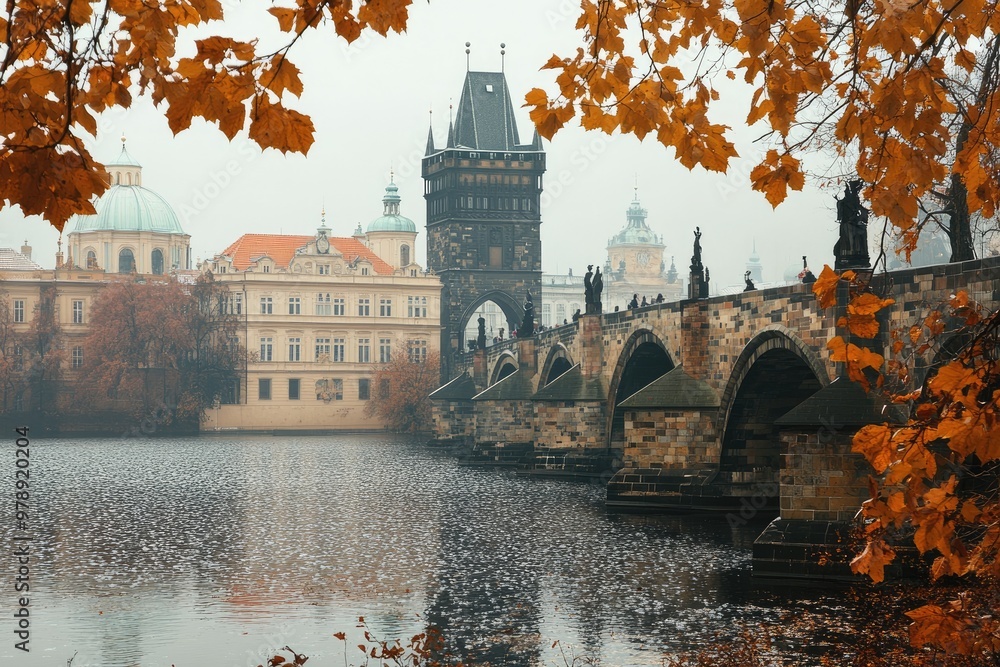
{"type": "Point", "coordinates": [483, 191]}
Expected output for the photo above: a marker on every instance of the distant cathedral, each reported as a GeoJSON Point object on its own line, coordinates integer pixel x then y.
{"type": "Point", "coordinates": [483, 190]}
{"type": "Point", "coordinates": [636, 263]}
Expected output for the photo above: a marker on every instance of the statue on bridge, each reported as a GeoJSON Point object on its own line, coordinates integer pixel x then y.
{"type": "Point", "coordinates": [588, 286]}
{"type": "Point", "coordinates": [696, 257]}
{"type": "Point", "coordinates": [598, 286]}
{"type": "Point", "coordinates": [482, 333]}
{"type": "Point", "coordinates": [851, 249]}
{"type": "Point", "coordinates": [527, 328]}
{"type": "Point", "coordinates": [749, 281]}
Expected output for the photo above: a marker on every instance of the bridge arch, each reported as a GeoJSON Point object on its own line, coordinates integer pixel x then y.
{"type": "Point", "coordinates": [774, 373]}
{"type": "Point", "coordinates": [505, 365]}
{"type": "Point", "coordinates": [512, 311]}
{"type": "Point", "coordinates": [557, 362]}
{"type": "Point", "coordinates": [644, 358]}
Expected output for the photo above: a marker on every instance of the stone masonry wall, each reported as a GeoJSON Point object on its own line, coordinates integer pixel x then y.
{"type": "Point", "coordinates": [821, 479]}
{"type": "Point", "coordinates": [563, 424]}
{"type": "Point", "coordinates": [453, 420]}
{"type": "Point", "coordinates": [671, 439]}
{"type": "Point", "coordinates": [504, 421]}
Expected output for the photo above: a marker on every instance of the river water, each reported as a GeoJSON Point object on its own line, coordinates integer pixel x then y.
{"type": "Point", "coordinates": [217, 550]}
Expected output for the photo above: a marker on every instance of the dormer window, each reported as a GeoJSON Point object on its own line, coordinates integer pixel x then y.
{"type": "Point", "coordinates": [364, 270]}
{"type": "Point", "coordinates": [267, 268]}
{"type": "Point", "coordinates": [489, 88]}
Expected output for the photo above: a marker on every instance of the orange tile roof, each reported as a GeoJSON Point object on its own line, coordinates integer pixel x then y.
{"type": "Point", "coordinates": [281, 248]}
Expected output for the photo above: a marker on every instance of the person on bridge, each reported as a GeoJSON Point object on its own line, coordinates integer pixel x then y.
{"type": "Point", "coordinates": [634, 303]}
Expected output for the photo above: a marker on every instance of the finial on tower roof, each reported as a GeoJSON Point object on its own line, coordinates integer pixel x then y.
{"type": "Point", "coordinates": [503, 51]}
{"type": "Point", "coordinates": [123, 140]}
{"type": "Point", "coordinates": [636, 188]}
{"type": "Point", "coordinates": [467, 59]}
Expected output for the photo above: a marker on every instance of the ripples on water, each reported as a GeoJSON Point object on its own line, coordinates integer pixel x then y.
{"type": "Point", "coordinates": [191, 550]}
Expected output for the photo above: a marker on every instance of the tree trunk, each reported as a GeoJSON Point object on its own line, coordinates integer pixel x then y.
{"type": "Point", "coordinates": [960, 229]}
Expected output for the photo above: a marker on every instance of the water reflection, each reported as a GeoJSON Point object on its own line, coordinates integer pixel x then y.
{"type": "Point", "coordinates": [218, 550]}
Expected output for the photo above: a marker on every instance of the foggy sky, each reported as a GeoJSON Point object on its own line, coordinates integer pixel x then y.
{"type": "Point", "coordinates": [370, 103]}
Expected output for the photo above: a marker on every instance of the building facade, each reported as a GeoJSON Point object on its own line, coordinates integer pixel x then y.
{"type": "Point", "coordinates": [321, 312]}
{"type": "Point", "coordinates": [318, 312]}
{"type": "Point", "coordinates": [636, 264]}
{"type": "Point", "coordinates": [483, 191]}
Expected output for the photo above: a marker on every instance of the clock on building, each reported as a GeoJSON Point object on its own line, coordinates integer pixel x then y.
{"type": "Point", "coordinates": [323, 245]}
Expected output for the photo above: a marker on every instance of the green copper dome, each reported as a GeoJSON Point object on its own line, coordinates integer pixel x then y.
{"type": "Point", "coordinates": [130, 208]}
{"type": "Point", "coordinates": [391, 220]}
{"type": "Point", "coordinates": [636, 231]}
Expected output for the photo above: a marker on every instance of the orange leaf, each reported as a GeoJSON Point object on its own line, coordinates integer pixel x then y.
{"type": "Point", "coordinates": [825, 287]}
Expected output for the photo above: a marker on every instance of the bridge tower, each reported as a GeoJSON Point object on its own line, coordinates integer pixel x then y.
{"type": "Point", "coordinates": [483, 191]}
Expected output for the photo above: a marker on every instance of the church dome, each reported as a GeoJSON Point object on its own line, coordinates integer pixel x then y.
{"type": "Point", "coordinates": [391, 220]}
{"type": "Point", "coordinates": [127, 206]}
{"type": "Point", "coordinates": [636, 231]}
{"type": "Point", "coordinates": [130, 208]}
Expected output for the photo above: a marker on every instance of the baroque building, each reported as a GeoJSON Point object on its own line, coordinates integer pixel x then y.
{"type": "Point", "coordinates": [318, 311]}
{"type": "Point", "coordinates": [134, 229]}
{"type": "Point", "coordinates": [483, 190]}
{"type": "Point", "coordinates": [321, 312]}
{"type": "Point", "coordinates": [636, 264]}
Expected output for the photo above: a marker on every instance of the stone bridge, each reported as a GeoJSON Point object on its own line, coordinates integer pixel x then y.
{"type": "Point", "coordinates": [723, 404]}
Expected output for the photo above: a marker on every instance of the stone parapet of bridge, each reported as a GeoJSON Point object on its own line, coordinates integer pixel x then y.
{"type": "Point", "coordinates": [687, 400]}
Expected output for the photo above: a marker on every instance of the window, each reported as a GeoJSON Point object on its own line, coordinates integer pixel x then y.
{"type": "Point", "coordinates": [418, 351]}
{"type": "Point", "coordinates": [383, 389]}
{"type": "Point", "coordinates": [364, 307]}
{"type": "Point", "coordinates": [338, 350]}
{"type": "Point", "coordinates": [264, 389]}
{"type": "Point", "coordinates": [157, 262]}
{"type": "Point", "coordinates": [364, 389]}
{"type": "Point", "coordinates": [339, 308]}
{"type": "Point", "coordinates": [294, 305]}
{"type": "Point", "coordinates": [18, 310]}
{"type": "Point", "coordinates": [323, 269]}
{"type": "Point", "coordinates": [126, 261]}
{"type": "Point", "coordinates": [404, 255]}
{"type": "Point", "coordinates": [385, 307]}
{"type": "Point", "coordinates": [295, 349]}
{"type": "Point", "coordinates": [267, 268]}
{"type": "Point", "coordinates": [78, 312]}
{"type": "Point", "coordinates": [323, 303]}
{"type": "Point", "coordinates": [384, 350]}
{"type": "Point", "coordinates": [77, 357]}
{"type": "Point", "coordinates": [266, 348]}
{"type": "Point", "coordinates": [322, 348]}
{"type": "Point", "coordinates": [293, 389]}
{"type": "Point", "coordinates": [266, 305]}
{"type": "Point", "coordinates": [18, 358]}
{"type": "Point", "coordinates": [234, 304]}
{"type": "Point", "coordinates": [338, 389]}
{"type": "Point", "coordinates": [416, 306]}
{"type": "Point", "coordinates": [231, 393]}
{"type": "Point", "coordinates": [364, 270]}
{"type": "Point", "coordinates": [91, 259]}
{"type": "Point", "coordinates": [364, 350]}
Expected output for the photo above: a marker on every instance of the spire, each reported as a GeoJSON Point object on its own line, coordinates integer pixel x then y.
{"type": "Point", "coordinates": [536, 141]}
{"type": "Point", "coordinates": [451, 130]}
{"type": "Point", "coordinates": [430, 135]}
{"type": "Point", "coordinates": [390, 202]}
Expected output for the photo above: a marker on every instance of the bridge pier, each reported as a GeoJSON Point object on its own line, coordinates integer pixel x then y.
{"type": "Point", "coordinates": [822, 485]}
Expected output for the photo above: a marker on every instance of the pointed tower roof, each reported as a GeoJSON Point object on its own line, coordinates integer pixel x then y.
{"type": "Point", "coordinates": [430, 141]}
{"type": "Point", "coordinates": [485, 118]}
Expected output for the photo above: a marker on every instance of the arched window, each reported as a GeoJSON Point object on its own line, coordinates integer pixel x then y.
{"type": "Point", "coordinates": [157, 262]}
{"type": "Point", "coordinates": [404, 255]}
{"type": "Point", "coordinates": [91, 259]}
{"type": "Point", "coordinates": [126, 261]}
{"type": "Point", "coordinates": [128, 179]}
